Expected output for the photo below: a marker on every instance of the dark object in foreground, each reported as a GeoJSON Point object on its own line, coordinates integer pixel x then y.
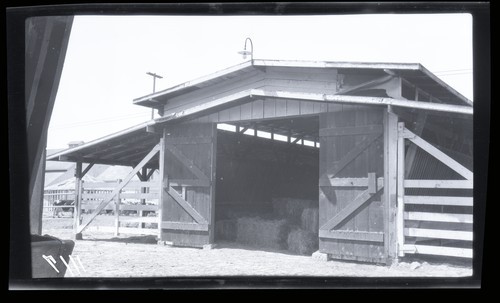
{"type": "Point", "coordinates": [49, 246]}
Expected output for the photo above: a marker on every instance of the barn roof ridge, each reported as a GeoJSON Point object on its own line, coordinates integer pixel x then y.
{"type": "Point", "coordinates": [150, 100]}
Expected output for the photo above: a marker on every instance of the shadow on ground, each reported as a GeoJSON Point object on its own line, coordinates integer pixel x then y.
{"type": "Point", "coordinates": [149, 239]}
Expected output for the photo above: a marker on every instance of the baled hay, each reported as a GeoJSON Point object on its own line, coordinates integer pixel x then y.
{"type": "Point", "coordinates": [225, 230]}
{"type": "Point", "coordinates": [310, 220]}
{"type": "Point", "coordinates": [302, 242]}
{"type": "Point", "coordinates": [290, 209]}
{"type": "Point", "coordinates": [262, 233]}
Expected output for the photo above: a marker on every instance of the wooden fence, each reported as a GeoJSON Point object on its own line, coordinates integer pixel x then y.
{"type": "Point", "coordinates": [434, 217]}
{"type": "Point", "coordinates": [136, 204]}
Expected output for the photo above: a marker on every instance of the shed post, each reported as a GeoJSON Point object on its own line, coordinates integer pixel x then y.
{"type": "Point", "coordinates": [77, 197]}
{"type": "Point", "coordinates": [162, 182]}
{"type": "Point", "coordinates": [117, 210]}
{"type": "Point", "coordinates": [143, 178]}
{"type": "Point", "coordinates": [390, 184]}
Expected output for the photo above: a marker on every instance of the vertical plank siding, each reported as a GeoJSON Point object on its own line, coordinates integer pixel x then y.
{"type": "Point", "coordinates": [197, 148]}
{"type": "Point", "coordinates": [369, 217]}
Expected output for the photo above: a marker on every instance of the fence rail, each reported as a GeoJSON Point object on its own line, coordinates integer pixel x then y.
{"type": "Point", "coordinates": [134, 204]}
{"type": "Point", "coordinates": [427, 222]}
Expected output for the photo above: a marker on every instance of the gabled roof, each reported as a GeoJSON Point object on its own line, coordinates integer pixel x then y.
{"type": "Point", "coordinates": [129, 146]}
{"type": "Point", "coordinates": [412, 72]}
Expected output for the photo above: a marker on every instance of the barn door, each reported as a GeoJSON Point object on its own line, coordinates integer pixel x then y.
{"type": "Point", "coordinates": [351, 185]}
{"type": "Point", "coordinates": [188, 197]}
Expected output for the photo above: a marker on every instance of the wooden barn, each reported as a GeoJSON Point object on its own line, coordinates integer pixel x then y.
{"type": "Point", "coordinates": [383, 151]}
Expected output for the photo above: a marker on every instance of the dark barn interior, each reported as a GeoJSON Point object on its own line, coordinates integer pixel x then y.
{"type": "Point", "coordinates": [259, 175]}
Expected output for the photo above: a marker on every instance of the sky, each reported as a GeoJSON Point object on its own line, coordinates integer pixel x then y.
{"type": "Point", "coordinates": [108, 57]}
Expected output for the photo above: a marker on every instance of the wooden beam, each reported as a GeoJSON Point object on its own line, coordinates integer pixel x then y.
{"type": "Point", "coordinates": [117, 210]}
{"type": "Point", "coordinates": [400, 190]}
{"type": "Point", "coordinates": [186, 206]}
{"type": "Point", "coordinates": [99, 161]}
{"type": "Point", "coordinates": [342, 215]}
{"type": "Point", "coordinates": [365, 85]}
{"type": "Point", "coordinates": [348, 182]}
{"type": "Point", "coordinates": [187, 162]}
{"type": "Point", "coordinates": [132, 207]}
{"type": "Point", "coordinates": [190, 182]}
{"type": "Point", "coordinates": [351, 131]}
{"type": "Point", "coordinates": [188, 140]}
{"type": "Point", "coordinates": [439, 200]}
{"type": "Point", "coordinates": [459, 184]}
{"type": "Point", "coordinates": [458, 109]}
{"type": "Point", "coordinates": [439, 234]}
{"type": "Point", "coordinates": [354, 153]}
{"type": "Point", "coordinates": [438, 217]}
{"type": "Point", "coordinates": [78, 198]}
{"type": "Point", "coordinates": [412, 150]}
{"type": "Point", "coordinates": [86, 170]}
{"type": "Point", "coordinates": [139, 175]}
{"type": "Point", "coordinates": [150, 173]}
{"type": "Point", "coordinates": [127, 179]}
{"type": "Point", "coordinates": [352, 235]}
{"type": "Point", "coordinates": [390, 185]}
{"type": "Point", "coordinates": [447, 160]}
{"type": "Point", "coordinates": [439, 251]}
{"type": "Point", "coordinates": [184, 226]}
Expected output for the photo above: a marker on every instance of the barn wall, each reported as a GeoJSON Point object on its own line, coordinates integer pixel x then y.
{"type": "Point", "coordinates": [273, 79]}
{"type": "Point", "coordinates": [252, 172]}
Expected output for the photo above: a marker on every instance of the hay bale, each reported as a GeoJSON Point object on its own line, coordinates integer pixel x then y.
{"type": "Point", "coordinates": [225, 230]}
{"type": "Point", "coordinates": [263, 233]}
{"type": "Point", "coordinates": [310, 220]}
{"type": "Point", "coordinates": [302, 241]}
{"type": "Point", "coordinates": [291, 209]}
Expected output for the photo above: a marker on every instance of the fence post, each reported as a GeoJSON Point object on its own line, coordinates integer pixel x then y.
{"type": "Point", "coordinates": [76, 221]}
{"type": "Point", "coordinates": [117, 211]}
{"type": "Point", "coordinates": [78, 206]}
{"type": "Point", "coordinates": [400, 189]}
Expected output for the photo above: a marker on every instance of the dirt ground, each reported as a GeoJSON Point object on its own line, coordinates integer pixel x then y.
{"type": "Point", "coordinates": [104, 255]}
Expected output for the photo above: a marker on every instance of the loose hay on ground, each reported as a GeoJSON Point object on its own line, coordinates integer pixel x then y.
{"type": "Point", "coordinates": [302, 241]}
{"type": "Point", "coordinates": [256, 231]}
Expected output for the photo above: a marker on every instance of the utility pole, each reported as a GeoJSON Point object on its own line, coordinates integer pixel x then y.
{"type": "Point", "coordinates": [154, 89]}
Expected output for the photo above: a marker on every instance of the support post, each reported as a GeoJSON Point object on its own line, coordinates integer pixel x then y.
{"type": "Point", "coordinates": [142, 178]}
{"type": "Point", "coordinates": [390, 184]}
{"type": "Point", "coordinates": [77, 201]}
{"type": "Point", "coordinates": [117, 210]}
{"type": "Point", "coordinates": [400, 189]}
{"type": "Point", "coordinates": [162, 183]}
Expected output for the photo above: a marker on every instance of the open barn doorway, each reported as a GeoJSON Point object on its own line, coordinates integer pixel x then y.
{"type": "Point", "coordinates": [267, 184]}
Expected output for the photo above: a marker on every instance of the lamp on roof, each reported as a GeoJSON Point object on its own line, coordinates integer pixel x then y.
{"type": "Point", "coordinates": [246, 52]}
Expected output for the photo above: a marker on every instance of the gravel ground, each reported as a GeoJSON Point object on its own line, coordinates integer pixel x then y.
{"type": "Point", "coordinates": [104, 255]}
